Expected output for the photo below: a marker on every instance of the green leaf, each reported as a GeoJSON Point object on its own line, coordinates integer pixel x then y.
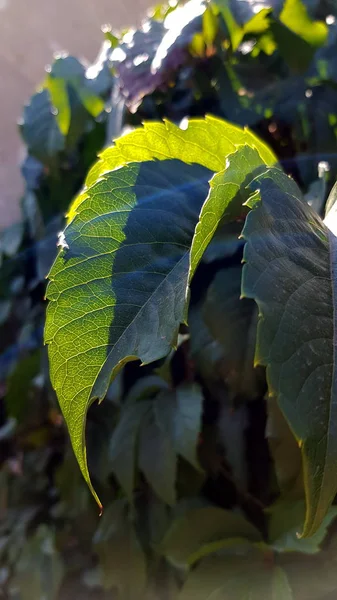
{"type": "Point", "coordinates": [330, 218]}
{"type": "Point", "coordinates": [192, 534]}
{"type": "Point", "coordinates": [60, 100]}
{"type": "Point", "coordinates": [286, 521]}
{"type": "Point", "coordinates": [120, 556]}
{"type": "Point", "coordinates": [124, 441]}
{"type": "Point", "coordinates": [295, 50]}
{"type": "Point", "coordinates": [297, 36]}
{"type": "Point", "coordinates": [157, 459]}
{"type": "Point", "coordinates": [290, 272]}
{"type": "Point", "coordinates": [209, 26]}
{"type": "Point", "coordinates": [235, 32]}
{"type": "Point", "coordinates": [40, 129]}
{"type": "Point", "coordinates": [226, 197]}
{"type": "Point", "coordinates": [316, 193]}
{"type": "Point", "coordinates": [130, 257]}
{"type": "Point", "coordinates": [122, 450]}
{"type": "Point", "coordinates": [286, 454]}
{"type": "Point", "coordinates": [146, 61]}
{"type": "Point", "coordinates": [207, 142]}
{"type": "Point", "coordinates": [236, 578]}
{"type": "Point", "coordinates": [232, 322]}
{"type": "Point", "coordinates": [126, 249]}
{"type": "Point", "coordinates": [69, 71]}
{"type": "Point", "coordinates": [295, 16]}
{"type": "Point", "coordinates": [232, 424]}
{"type": "Point", "coordinates": [179, 414]}
{"type": "Point", "coordinates": [257, 24]}
{"type": "Point", "coordinates": [19, 385]}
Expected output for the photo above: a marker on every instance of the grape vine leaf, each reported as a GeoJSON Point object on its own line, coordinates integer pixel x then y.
{"type": "Point", "coordinates": [236, 578]}
{"type": "Point", "coordinates": [290, 272]}
{"type": "Point", "coordinates": [123, 443]}
{"type": "Point", "coordinates": [207, 142]}
{"type": "Point", "coordinates": [195, 532]}
{"type": "Point", "coordinates": [118, 287]}
{"type": "Point", "coordinates": [161, 472]}
{"type": "Point", "coordinates": [178, 414]}
{"type": "Point", "coordinates": [40, 129]}
{"type": "Point", "coordinates": [148, 58]}
{"type": "Point", "coordinates": [122, 451]}
{"type": "Point", "coordinates": [227, 194]}
{"type": "Point", "coordinates": [128, 251]}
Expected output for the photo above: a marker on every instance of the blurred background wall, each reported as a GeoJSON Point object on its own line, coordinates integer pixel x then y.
{"type": "Point", "coordinates": [30, 32]}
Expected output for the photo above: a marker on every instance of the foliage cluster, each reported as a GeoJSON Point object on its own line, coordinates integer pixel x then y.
{"type": "Point", "coordinates": [216, 460]}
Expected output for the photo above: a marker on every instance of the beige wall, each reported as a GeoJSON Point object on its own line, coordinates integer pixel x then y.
{"type": "Point", "coordinates": [30, 32]}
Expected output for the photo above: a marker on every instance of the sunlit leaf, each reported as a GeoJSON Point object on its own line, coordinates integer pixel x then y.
{"type": "Point", "coordinates": [295, 16]}
{"type": "Point", "coordinates": [129, 256]}
{"type": "Point", "coordinates": [232, 322]}
{"type": "Point", "coordinates": [226, 197]}
{"type": "Point", "coordinates": [207, 142]}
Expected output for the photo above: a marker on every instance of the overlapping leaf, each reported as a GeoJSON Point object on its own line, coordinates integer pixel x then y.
{"type": "Point", "coordinates": [67, 72]}
{"type": "Point", "coordinates": [286, 521]}
{"type": "Point", "coordinates": [236, 578]}
{"type": "Point", "coordinates": [207, 142]}
{"type": "Point", "coordinates": [147, 57]}
{"type": "Point", "coordinates": [202, 531]}
{"type": "Point", "coordinates": [165, 426]}
{"type": "Point", "coordinates": [118, 287]}
{"type": "Point", "coordinates": [285, 452]}
{"type": "Point", "coordinates": [227, 196]}
{"type": "Point", "coordinates": [232, 322]}
{"type": "Point", "coordinates": [127, 252]}
{"type": "Point", "coordinates": [290, 271]}
{"type": "Point", "coordinates": [40, 129]}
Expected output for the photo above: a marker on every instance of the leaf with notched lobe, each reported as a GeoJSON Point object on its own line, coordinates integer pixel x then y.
{"type": "Point", "coordinates": [290, 271]}
{"type": "Point", "coordinates": [119, 287]}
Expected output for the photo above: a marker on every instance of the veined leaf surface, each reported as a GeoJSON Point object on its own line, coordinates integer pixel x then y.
{"type": "Point", "coordinates": [290, 270]}
{"type": "Point", "coordinates": [206, 142]}
{"type": "Point", "coordinates": [118, 288]}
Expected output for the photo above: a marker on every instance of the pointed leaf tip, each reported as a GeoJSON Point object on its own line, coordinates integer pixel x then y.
{"type": "Point", "coordinates": [137, 299]}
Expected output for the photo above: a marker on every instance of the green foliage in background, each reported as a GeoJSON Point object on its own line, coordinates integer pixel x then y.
{"type": "Point", "coordinates": [194, 292]}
